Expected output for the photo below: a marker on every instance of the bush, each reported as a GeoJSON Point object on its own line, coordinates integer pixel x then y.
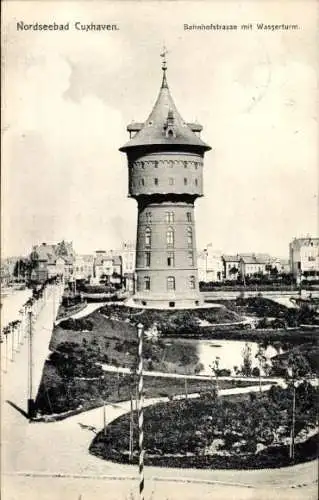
{"type": "Point", "coordinates": [77, 324]}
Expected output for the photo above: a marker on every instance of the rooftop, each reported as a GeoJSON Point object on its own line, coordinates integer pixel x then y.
{"type": "Point", "coordinates": [165, 126]}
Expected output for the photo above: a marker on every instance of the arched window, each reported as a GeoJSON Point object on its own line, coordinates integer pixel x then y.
{"type": "Point", "coordinates": [189, 237]}
{"type": "Point", "coordinates": [170, 283]}
{"type": "Point", "coordinates": [148, 237]}
{"type": "Point", "coordinates": [170, 237]}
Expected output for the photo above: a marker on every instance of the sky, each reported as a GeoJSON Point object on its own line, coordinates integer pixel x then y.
{"type": "Point", "coordinates": [68, 97]}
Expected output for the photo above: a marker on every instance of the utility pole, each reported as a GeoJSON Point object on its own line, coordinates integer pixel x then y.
{"type": "Point", "coordinates": [292, 434]}
{"type": "Point", "coordinates": [104, 418]}
{"type": "Point", "coordinates": [53, 301]}
{"type": "Point", "coordinates": [140, 409]}
{"type": "Point", "coordinates": [131, 428]}
{"type": "Point", "coordinates": [292, 453]}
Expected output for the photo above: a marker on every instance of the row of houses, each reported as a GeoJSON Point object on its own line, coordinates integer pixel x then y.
{"type": "Point", "coordinates": [214, 266]}
{"type": "Point", "coordinates": [118, 267]}
{"type": "Point", "coordinates": [303, 263]}
{"type": "Point", "coordinates": [61, 260]}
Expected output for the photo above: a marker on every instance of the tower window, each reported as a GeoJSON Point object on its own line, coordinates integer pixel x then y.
{"type": "Point", "coordinates": [189, 216]}
{"type": "Point", "coordinates": [170, 237]}
{"type": "Point", "coordinates": [147, 283]}
{"type": "Point", "coordinates": [156, 163]}
{"type": "Point", "coordinates": [169, 217]}
{"type": "Point", "coordinates": [185, 181]}
{"type": "Point", "coordinates": [191, 282]}
{"type": "Point", "coordinates": [141, 182]}
{"type": "Point", "coordinates": [189, 237]}
{"type": "Point", "coordinates": [185, 164]}
{"type": "Point", "coordinates": [156, 181]}
{"type": "Point", "coordinates": [171, 181]}
{"type": "Point", "coordinates": [190, 257]}
{"type": "Point", "coordinates": [170, 283]}
{"type": "Point", "coordinates": [170, 259]}
{"type": "Point", "coordinates": [148, 217]}
{"type": "Point", "coordinates": [148, 237]}
{"type": "Point", "coordinates": [147, 259]}
{"type": "Point", "coordinates": [142, 164]}
{"type": "Point", "coordinates": [196, 182]}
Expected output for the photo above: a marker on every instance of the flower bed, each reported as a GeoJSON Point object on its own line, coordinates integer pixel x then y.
{"type": "Point", "coordinates": [235, 432]}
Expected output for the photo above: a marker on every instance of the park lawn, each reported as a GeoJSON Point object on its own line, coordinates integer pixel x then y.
{"type": "Point", "coordinates": [58, 395]}
{"type": "Point", "coordinates": [116, 341]}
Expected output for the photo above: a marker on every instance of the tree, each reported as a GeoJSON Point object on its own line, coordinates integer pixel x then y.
{"type": "Point", "coordinates": [246, 367]}
{"type": "Point", "coordinates": [233, 270]}
{"type": "Point", "coordinates": [298, 369]}
{"type": "Point", "coordinates": [215, 369]}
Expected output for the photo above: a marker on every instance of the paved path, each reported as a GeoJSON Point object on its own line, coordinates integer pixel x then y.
{"type": "Point", "coordinates": [50, 461]}
{"type": "Point", "coordinates": [88, 309]}
{"type": "Point", "coordinates": [153, 373]}
{"type": "Point", "coordinates": [61, 448]}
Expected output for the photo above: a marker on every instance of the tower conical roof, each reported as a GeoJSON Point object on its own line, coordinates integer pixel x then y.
{"type": "Point", "coordinates": [165, 126]}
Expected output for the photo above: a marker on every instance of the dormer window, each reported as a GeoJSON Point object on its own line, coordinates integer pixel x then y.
{"type": "Point", "coordinates": [169, 125]}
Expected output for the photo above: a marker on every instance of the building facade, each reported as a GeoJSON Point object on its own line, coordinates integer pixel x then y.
{"type": "Point", "coordinates": [210, 265]}
{"type": "Point", "coordinates": [52, 260]}
{"type": "Point", "coordinates": [165, 162]}
{"type": "Point", "coordinates": [304, 258]}
{"type": "Point", "coordinates": [84, 267]}
{"type": "Point", "coordinates": [254, 264]}
{"type": "Point", "coordinates": [107, 268]}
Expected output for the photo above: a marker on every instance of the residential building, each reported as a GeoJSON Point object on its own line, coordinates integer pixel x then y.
{"type": "Point", "coordinates": [107, 268]}
{"type": "Point", "coordinates": [210, 265]}
{"type": "Point", "coordinates": [103, 266]}
{"type": "Point", "coordinates": [84, 267]}
{"type": "Point", "coordinates": [304, 257]}
{"type": "Point", "coordinates": [165, 166]}
{"type": "Point", "coordinates": [128, 254]}
{"type": "Point", "coordinates": [49, 260]}
{"type": "Point", "coordinates": [231, 267]}
{"type": "Point", "coordinates": [252, 264]}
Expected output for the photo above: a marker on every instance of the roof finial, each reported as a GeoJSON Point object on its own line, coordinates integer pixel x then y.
{"type": "Point", "coordinates": [164, 66]}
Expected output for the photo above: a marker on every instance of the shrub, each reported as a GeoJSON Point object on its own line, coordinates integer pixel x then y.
{"type": "Point", "coordinates": [77, 324]}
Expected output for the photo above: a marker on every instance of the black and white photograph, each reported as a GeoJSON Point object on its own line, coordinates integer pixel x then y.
{"type": "Point", "coordinates": [159, 250]}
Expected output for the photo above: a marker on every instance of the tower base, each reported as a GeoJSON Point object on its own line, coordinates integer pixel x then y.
{"type": "Point", "coordinates": [162, 301]}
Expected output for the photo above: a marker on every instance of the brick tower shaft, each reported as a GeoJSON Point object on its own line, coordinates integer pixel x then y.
{"type": "Point", "coordinates": [165, 162]}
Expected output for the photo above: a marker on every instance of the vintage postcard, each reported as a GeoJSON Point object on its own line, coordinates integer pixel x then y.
{"type": "Point", "coordinates": [159, 250]}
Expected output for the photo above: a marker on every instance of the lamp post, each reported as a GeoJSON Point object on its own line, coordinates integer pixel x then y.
{"type": "Point", "coordinates": [31, 406]}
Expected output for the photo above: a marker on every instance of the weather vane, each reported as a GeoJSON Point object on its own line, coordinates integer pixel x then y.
{"type": "Point", "coordinates": [163, 55]}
